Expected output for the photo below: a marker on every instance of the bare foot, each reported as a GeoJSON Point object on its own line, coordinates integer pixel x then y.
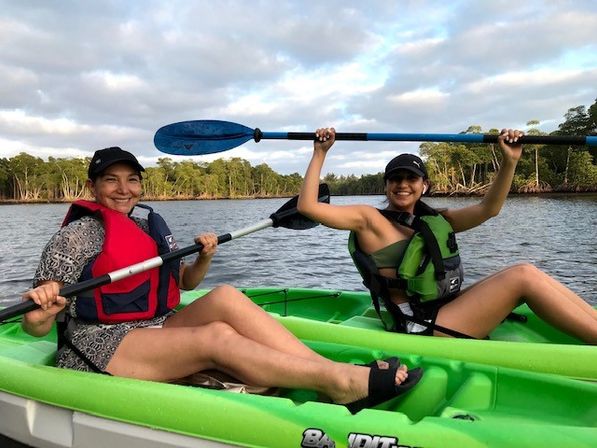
{"type": "Point", "coordinates": [382, 364]}
{"type": "Point", "coordinates": [357, 384]}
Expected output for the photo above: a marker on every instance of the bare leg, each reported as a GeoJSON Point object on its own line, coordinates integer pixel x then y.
{"type": "Point", "coordinates": [171, 353]}
{"type": "Point", "coordinates": [227, 304]}
{"type": "Point", "coordinates": [570, 295]}
{"type": "Point", "coordinates": [562, 289]}
{"type": "Point", "coordinates": [481, 307]}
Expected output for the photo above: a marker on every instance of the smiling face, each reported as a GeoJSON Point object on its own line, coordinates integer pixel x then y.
{"type": "Point", "coordinates": [403, 189]}
{"type": "Point", "coordinates": [118, 187]}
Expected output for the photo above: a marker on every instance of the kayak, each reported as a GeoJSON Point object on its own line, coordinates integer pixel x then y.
{"type": "Point", "coordinates": [526, 343]}
{"type": "Point", "coordinates": [456, 404]}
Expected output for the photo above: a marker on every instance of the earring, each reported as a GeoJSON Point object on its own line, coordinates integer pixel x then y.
{"type": "Point", "coordinates": [424, 189]}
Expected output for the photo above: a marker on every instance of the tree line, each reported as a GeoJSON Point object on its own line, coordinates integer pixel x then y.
{"type": "Point", "coordinates": [453, 168]}
{"type": "Point", "coordinates": [25, 178]}
{"type": "Point", "coordinates": [470, 168]}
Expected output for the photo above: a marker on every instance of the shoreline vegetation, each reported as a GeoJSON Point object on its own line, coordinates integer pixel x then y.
{"type": "Point", "coordinates": [454, 170]}
{"type": "Point", "coordinates": [432, 195]}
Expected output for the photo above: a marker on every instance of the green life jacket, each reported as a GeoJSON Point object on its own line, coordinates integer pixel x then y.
{"type": "Point", "coordinates": [431, 263]}
{"type": "Point", "coordinates": [430, 269]}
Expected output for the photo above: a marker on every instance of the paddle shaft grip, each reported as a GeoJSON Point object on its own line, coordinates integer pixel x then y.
{"type": "Point", "coordinates": [418, 137]}
{"type": "Point", "coordinates": [67, 291]}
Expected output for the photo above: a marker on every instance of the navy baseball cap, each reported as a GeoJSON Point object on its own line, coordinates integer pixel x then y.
{"type": "Point", "coordinates": [408, 162]}
{"type": "Point", "coordinates": [103, 158]}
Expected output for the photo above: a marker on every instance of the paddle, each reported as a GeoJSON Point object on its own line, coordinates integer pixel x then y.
{"type": "Point", "coordinates": [192, 138]}
{"type": "Point", "coordinates": [286, 216]}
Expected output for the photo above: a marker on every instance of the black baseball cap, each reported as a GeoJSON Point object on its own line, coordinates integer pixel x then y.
{"type": "Point", "coordinates": [408, 162]}
{"type": "Point", "coordinates": [103, 158]}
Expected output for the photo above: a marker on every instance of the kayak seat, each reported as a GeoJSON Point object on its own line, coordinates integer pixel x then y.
{"type": "Point", "coordinates": [475, 393]}
{"type": "Point", "coordinates": [430, 397]}
{"type": "Point", "coordinates": [37, 352]}
{"type": "Point", "coordinates": [15, 343]}
{"type": "Point", "coordinates": [368, 319]}
{"type": "Point", "coordinates": [452, 393]}
{"type": "Point", "coordinates": [370, 323]}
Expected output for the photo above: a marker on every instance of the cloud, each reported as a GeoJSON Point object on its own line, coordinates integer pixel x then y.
{"type": "Point", "coordinates": [114, 72]}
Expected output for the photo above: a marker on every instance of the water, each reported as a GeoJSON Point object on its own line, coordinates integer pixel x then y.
{"type": "Point", "coordinates": [556, 233]}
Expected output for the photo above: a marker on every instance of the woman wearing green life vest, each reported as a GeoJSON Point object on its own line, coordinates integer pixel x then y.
{"type": "Point", "coordinates": [408, 255]}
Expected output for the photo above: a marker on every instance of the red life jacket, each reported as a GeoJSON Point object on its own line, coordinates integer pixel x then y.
{"type": "Point", "coordinates": [142, 296]}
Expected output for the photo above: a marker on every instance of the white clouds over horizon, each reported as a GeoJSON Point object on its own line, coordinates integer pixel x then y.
{"type": "Point", "coordinates": [114, 72]}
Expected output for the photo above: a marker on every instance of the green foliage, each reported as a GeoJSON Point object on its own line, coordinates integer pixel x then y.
{"type": "Point", "coordinates": [27, 178]}
{"type": "Point", "coordinates": [4, 178]}
{"type": "Point", "coordinates": [155, 184]}
{"type": "Point", "coordinates": [66, 178]}
{"type": "Point", "coordinates": [28, 175]}
{"type": "Point", "coordinates": [452, 168]}
{"type": "Point", "coordinates": [582, 173]}
{"type": "Point", "coordinates": [471, 168]}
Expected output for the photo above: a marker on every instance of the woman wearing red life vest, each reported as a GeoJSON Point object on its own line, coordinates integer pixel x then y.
{"type": "Point", "coordinates": [128, 328]}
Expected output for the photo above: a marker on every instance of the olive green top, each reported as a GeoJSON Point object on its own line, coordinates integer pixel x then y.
{"type": "Point", "coordinates": [390, 256]}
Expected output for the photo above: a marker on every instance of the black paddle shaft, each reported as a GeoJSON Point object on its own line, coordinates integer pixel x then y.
{"type": "Point", "coordinates": [354, 136]}
{"type": "Point", "coordinates": [96, 282]}
{"type": "Point", "coordinates": [461, 138]}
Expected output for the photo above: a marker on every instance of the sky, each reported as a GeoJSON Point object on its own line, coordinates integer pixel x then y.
{"type": "Point", "coordinates": [76, 76]}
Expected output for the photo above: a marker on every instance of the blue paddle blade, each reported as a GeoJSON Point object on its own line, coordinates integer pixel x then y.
{"type": "Point", "coordinates": [192, 138]}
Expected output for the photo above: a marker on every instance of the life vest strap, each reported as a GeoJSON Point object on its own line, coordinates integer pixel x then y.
{"type": "Point", "coordinates": [378, 286]}
{"type": "Point", "coordinates": [400, 319]}
{"type": "Point", "coordinates": [432, 248]}
{"type": "Point", "coordinates": [403, 218]}
{"type": "Point", "coordinates": [64, 339]}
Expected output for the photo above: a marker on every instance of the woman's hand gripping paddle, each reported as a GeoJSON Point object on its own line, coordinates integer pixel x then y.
{"type": "Point", "coordinates": [286, 216]}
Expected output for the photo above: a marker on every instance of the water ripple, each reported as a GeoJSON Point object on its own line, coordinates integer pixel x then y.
{"type": "Point", "coordinates": [556, 233]}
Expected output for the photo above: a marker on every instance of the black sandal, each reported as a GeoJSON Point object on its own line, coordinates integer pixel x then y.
{"type": "Point", "coordinates": [382, 387]}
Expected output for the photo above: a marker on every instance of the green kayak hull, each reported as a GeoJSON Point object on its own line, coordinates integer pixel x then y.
{"type": "Point", "coordinates": [526, 343]}
{"type": "Point", "coordinates": [456, 404]}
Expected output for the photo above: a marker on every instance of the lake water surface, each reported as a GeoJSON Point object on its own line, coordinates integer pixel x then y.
{"type": "Point", "coordinates": [556, 233]}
